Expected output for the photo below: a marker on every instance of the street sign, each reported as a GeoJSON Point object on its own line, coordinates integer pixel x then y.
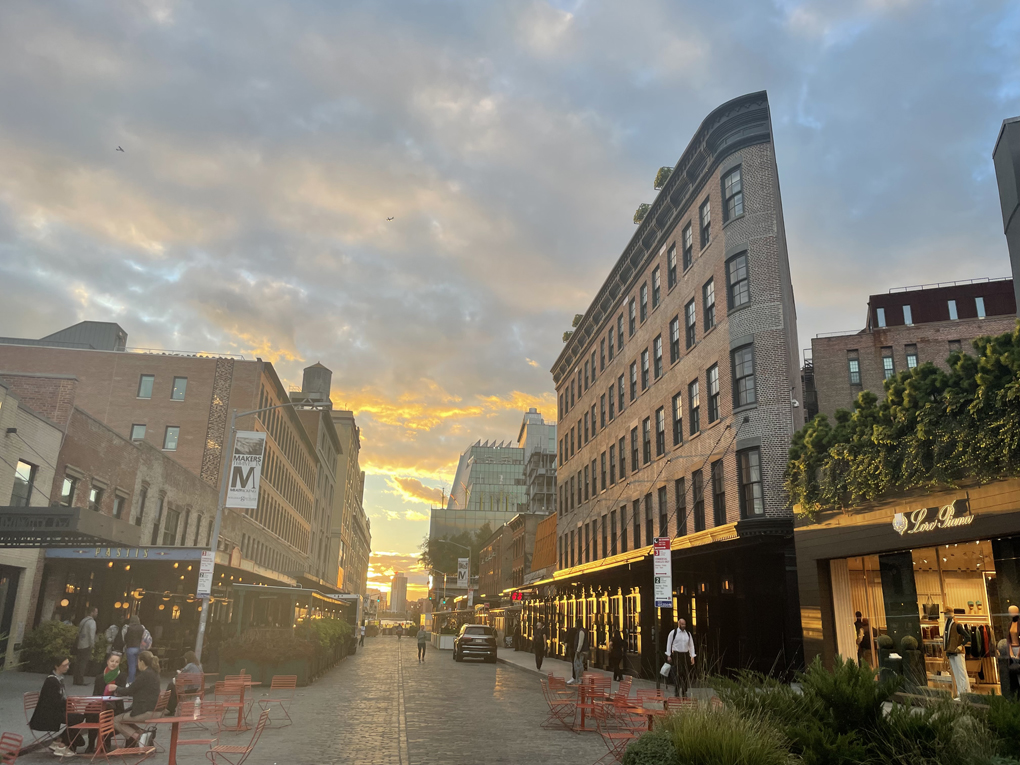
{"type": "Point", "coordinates": [205, 574]}
{"type": "Point", "coordinates": [663, 572]}
{"type": "Point", "coordinates": [462, 572]}
{"type": "Point", "coordinates": [246, 470]}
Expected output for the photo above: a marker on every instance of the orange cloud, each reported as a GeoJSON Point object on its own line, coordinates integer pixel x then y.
{"type": "Point", "coordinates": [413, 490]}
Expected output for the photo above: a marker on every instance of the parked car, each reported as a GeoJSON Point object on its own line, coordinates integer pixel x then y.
{"type": "Point", "coordinates": [475, 640]}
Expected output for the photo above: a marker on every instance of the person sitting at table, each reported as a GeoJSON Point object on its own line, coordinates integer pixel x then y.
{"type": "Point", "coordinates": [144, 693]}
{"type": "Point", "coordinates": [106, 682]}
{"type": "Point", "coordinates": [51, 710]}
{"type": "Point", "coordinates": [192, 667]}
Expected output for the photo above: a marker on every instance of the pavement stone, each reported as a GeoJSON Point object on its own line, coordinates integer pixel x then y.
{"type": "Point", "coordinates": [381, 707]}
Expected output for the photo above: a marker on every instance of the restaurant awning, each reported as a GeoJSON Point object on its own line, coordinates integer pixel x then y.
{"type": "Point", "coordinates": [64, 527]}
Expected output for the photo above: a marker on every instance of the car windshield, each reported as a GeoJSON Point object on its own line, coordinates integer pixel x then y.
{"type": "Point", "coordinates": [478, 630]}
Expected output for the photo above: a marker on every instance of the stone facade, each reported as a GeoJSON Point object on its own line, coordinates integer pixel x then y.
{"type": "Point", "coordinates": [350, 541]}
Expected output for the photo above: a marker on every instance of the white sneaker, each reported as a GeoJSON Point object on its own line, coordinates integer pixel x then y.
{"type": "Point", "coordinates": [62, 751]}
{"type": "Point", "coordinates": [571, 681]}
{"type": "Point", "coordinates": [55, 744]}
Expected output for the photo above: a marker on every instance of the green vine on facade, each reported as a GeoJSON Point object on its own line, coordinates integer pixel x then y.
{"type": "Point", "coordinates": [935, 429]}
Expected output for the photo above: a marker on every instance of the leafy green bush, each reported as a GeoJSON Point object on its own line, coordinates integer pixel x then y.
{"type": "Point", "coordinates": [272, 649]}
{"type": "Point", "coordinates": [327, 634]}
{"type": "Point", "coordinates": [651, 749]}
{"type": "Point", "coordinates": [1004, 722]}
{"type": "Point", "coordinates": [46, 643]}
{"type": "Point", "coordinates": [724, 737]}
{"type": "Point", "coordinates": [945, 733]}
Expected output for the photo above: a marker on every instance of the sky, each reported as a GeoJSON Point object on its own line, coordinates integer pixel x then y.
{"type": "Point", "coordinates": [265, 145]}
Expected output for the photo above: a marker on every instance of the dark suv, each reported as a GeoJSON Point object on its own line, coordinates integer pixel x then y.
{"type": "Point", "coordinates": [475, 640]}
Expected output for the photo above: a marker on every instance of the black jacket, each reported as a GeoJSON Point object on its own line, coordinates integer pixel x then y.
{"type": "Point", "coordinates": [51, 711]}
{"type": "Point", "coordinates": [144, 691]}
{"type": "Point", "coordinates": [616, 647]}
{"type": "Point", "coordinates": [133, 636]}
{"type": "Point", "coordinates": [538, 642]}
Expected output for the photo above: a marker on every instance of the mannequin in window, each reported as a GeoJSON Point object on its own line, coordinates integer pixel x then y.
{"type": "Point", "coordinates": [1009, 668]}
{"type": "Point", "coordinates": [956, 640]}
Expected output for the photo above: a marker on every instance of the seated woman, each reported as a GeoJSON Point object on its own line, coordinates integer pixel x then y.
{"type": "Point", "coordinates": [144, 692]}
{"type": "Point", "coordinates": [192, 667]}
{"type": "Point", "coordinates": [106, 682]}
{"type": "Point", "coordinates": [51, 712]}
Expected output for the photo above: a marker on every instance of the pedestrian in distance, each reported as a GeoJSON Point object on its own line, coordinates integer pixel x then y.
{"type": "Point", "coordinates": [864, 643]}
{"type": "Point", "coordinates": [86, 640]}
{"type": "Point", "coordinates": [616, 646]}
{"type": "Point", "coordinates": [136, 640]}
{"type": "Point", "coordinates": [680, 653]}
{"type": "Point", "coordinates": [361, 640]}
{"type": "Point", "coordinates": [582, 644]}
{"type": "Point", "coordinates": [570, 641]}
{"type": "Point", "coordinates": [423, 638]}
{"type": "Point", "coordinates": [539, 643]}
{"type": "Point", "coordinates": [400, 632]}
{"type": "Point", "coordinates": [144, 693]}
{"type": "Point", "coordinates": [51, 710]}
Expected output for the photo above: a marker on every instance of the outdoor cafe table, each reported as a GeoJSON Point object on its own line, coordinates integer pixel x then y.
{"type": "Point", "coordinates": [651, 714]}
{"type": "Point", "coordinates": [175, 729]}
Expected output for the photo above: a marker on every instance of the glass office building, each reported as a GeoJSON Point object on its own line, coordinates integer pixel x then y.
{"type": "Point", "coordinates": [489, 487]}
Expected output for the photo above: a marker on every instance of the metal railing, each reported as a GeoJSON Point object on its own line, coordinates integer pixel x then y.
{"type": "Point", "coordinates": [192, 354]}
{"type": "Point", "coordinates": [957, 283]}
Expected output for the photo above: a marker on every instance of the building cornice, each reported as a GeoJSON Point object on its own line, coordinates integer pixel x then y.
{"type": "Point", "coordinates": [739, 123]}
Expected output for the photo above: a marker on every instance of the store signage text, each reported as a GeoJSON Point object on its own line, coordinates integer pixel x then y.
{"type": "Point", "coordinates": [933, 518]}
{"type": "Point", "coordinates": [663, 573]}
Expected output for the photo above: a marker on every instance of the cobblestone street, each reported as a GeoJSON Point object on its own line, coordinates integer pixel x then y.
{"type": "Point", "coordinates": [381, 707]}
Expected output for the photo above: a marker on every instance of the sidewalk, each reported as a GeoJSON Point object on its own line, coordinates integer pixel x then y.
{"type": "Point", "coordinates": [525, 662]}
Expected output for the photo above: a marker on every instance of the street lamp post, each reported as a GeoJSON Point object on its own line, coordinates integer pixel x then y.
{"type": "Point", "coordinates": [228, 448]}
{"type": "Point", "coordinates": [462, 547]}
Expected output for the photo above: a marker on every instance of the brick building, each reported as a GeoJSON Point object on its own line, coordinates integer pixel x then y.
{"type": "Point", "coordinates": [675, 397]}
{"type": "Point", "coordinates": [522, 528]}
{"type": "Point", "coordinates": [495, 565]}
{"type": "Point", "coordinates": [543, 558]}
{"type": "Point", "coordinates": [350, 528]}
{"type": "Point", "coordinates": [906, 327]}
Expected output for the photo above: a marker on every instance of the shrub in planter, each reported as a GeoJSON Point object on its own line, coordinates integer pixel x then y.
{"type": "Point", "coordinates": [651, 749]}
{"type": "Point", "coordinates": [1004, 722]}
{"type": "Point", "coordinates": [266, 650]}
{"type": "Point", "coordinates": [46, 643]}
{"type": "Point", "coordinates": [725, 737]}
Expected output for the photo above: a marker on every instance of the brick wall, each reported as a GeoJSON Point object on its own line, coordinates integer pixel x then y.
{"type": "Point", "coordinates": [50, 396]}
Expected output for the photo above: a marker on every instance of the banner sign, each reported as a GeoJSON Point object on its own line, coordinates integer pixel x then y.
{"type": "Point", "coordinates": [462, 572]}
{"type": "Point", "coordinates": [663, 571]}
{"type": "Point", "coordinates": [205, 574]}
{"type": "Point", "coordinates": [246, 469]}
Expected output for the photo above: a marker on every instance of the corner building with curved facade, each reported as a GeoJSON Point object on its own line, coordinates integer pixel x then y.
{"type": "Point", "coordinates": [678, 395]}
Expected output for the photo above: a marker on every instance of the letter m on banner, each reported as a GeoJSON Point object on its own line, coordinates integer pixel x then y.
{"type": "Point", "coordinates": [246, 469]}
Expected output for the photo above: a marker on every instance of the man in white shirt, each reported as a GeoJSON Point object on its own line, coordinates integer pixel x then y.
{"type": "Point", "coordinates": [86, 639]}
{"type": "Point", "coordinates": [680, 653]}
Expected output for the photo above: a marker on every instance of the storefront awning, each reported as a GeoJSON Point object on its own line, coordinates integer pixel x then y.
{"type": "Point", "coordinates": [64, 527]}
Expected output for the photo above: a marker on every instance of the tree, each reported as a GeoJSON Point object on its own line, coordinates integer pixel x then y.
{"type": "Point", "coordinates": [434, 555]}
{"type": "Point", "coordinates": [641, 212]}
{"type": "Point", "coordinates": [661, 177]}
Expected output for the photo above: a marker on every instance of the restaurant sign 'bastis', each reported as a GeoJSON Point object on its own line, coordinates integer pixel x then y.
{"type": "Point", "coordinates": [956, 513]}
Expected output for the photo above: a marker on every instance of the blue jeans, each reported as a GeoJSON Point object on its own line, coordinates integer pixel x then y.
{"type": "Point", "coordinates": [132, 658]}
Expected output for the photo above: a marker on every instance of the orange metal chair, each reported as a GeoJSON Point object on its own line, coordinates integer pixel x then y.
{"type": "Point", "coordinates": [10, 748]}
{"type": "Point", "coordinates": [624, 686]}
{"type": "Point", "coordinates": [561, 708]}
{"type": "Point", "coordinates": [281, 692]}
{"type": "Point", "coordinates": [614, 736]}
{"type": "Point", "coordinates": [193, 680]}
{"type": "Point", "coordinates": [86, 707]}
{"type": "Point", "coordinates": [645, 695]}
{"type": "Point", "coordinates": [228, 693]}
{"type": "Point", "coordinates": [106, 732]}
{"type": "Point", "coordinates": [29, 701]}
{"type": "Point", "coordinates": [229, 752]}
{"type": "Point", "coordinates": [674, 704]}
{"type": "Point", "coordinates": [209, 712]}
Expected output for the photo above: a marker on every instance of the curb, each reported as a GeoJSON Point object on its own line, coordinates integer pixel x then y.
{"type": "Point", "coordinates": [529, 670]}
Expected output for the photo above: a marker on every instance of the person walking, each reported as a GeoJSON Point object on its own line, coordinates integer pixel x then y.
{"type": "Point", "coordinates": [570, 642]}
{"type": "Point", "coordinates": [400, 632]}
{"type": "Point", "coordinates": [680, 653]}
{"type": "Point", "coordinates": [144, 693]}
{"type": "Point", "coordinates": [582, 644]}
{"type": "Point", "coordinates": [361, 640]}
{"type": "Point", "coordinates": [86, 640]}
{"type": "Point", "coordinates": [423, 638]}
{"type": "Point", "coordinates": [864, 643]}
{"type": "Point", "coordinates": [539, 641]}
{"type": "Point", "coordinates": [133, 637]}
{"type": "Point", "coordinates": [616, 645]}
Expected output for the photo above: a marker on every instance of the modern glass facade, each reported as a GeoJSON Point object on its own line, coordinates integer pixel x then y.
{"type": "Point", "coordinates": [489, 488]}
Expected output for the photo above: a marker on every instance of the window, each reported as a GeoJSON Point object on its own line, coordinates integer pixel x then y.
{"type": "Point", "coordinates": [623, 528]}
{"type": "Point", "coordinates": [612, 464]}
{"type": "Point", "coordinates": [663, 513]}
{"type": "Point", "coordinates": [612, 350]}
{"type": "Point", "coordinates": [619, 393]}
{"type": "Point", "coordinates": [690, 323]}
{"type": "Point", "coordinates": [145, 386]}
{"type": "Point", "coordinates": [572, 399]}
{"type": "Point", "coordinates": [656, 287]}
{"type": "Point", "coordinates": [623, 459]}
{"type": "Point", "coordinates": [708, 303]}
{"type": "Point", "coordinates": [612, 533]}
{"type": "Point", "coordinates": [752, 500]}
{"type": "Point", "coordinates": [593, 420]}
{"type": "Point", "coordinates": [633, 449]}
{"type": "Point", "coordinates": [571, 548]}
{"type": "Point", "coordinates": [911, 356]}
{"type": "Point", "coordinates": [737, 284]}
{"type": "Point", "coordinates": [586, 477]}
{"type": "Point", "coordinates": [593, 366]}
{"type": "Point", "coordinates": [698, 494]}
{"type": "Point", "coordinates": [705, 218]}
{"type": "Point", "coordinates": [854, 366]}
{"type": "Point", "coordinates": [713, 392]}
{"type": "Point", "coordinates": [586, 427]}
{"type": "Point", "coordinates": [605, 540]}
{"type": "Point", "coordinates": [602, 411]}
{"type": "Point", "coordinates": [571, 492]}
{"type": "Point", "coordinates": [184, 528]}
{"type": "Point", "coordinates": [733, 195]}
{"type": "Point", "coordinates": [144, 495]}
{"type": "Point", "coordinates": [180, 386]}
{"type": "Point", "coordinates": [880, 317]}
{"type": "Point", "coordinates": [594, 478]}
{"type": "Point", "coordinates": [118, 505]}
{"type": "Point", "coordinates": [644, 302]}
{"type": "Point", "coordinates": [619, 332]}
{"type": "Point", "coordinates": [888, 369]}
{"type": "Point", "coordinates": [979, 304]}
{"type": "Point", "coordinates": [173, 433]}
{"type": "Point", "coordinates": [908, 316]}
{"type": "Point", "coordinates": [657, 356]}
{"type": "Point", "coordinates": [633, 380]}
{"type": "Point", "coordinates": [688, 246]}
{"type": "Point", "coordinates": [587, 543]}
{"type": "Point", "coordinates": [632, 317]}
{"type": "Point", "coordinates": [24, 483]}
{"type": "Point", "coordinates": [678, 420]}
{"type": "Point", "coordinates": [158, 522]}
{"type": "Point", "coordinates": [671, 267]}
{"type": "Point", "coordinates": [955, 346]}
{"type": "Point", "coordinates": [602, 355]}
{"type": "Point", "coordinates": [67, 490]}
{"type": "Point", "coordinates": [96, 499]}
{"type": "Point", "coordinates": [644, 369]}
{"type": "Point", "coordinates": [571, 442]}
{"type": "Point", "coordinates": [649, 528]}
{"type": "Point", "coordinates": [585, 375]}
{"type": "Point", "coordinates": [744, 393]}
{"type": "Point", "coordinates": [603, 474]}
{"type": "Point", "coordinates": [718, 493]}
{"type": "Point", "coordinates": [173, 521]}
{"type": "Point", "coordinates": [646, 440]}
{"type": "Point", "coordinates": [694, 405]}
{"type": "Point", "coordinates": [680, 499]}
{"type": "Point", "coordinates": [660, 431]}
{"type": "Point", "coordinates": [952, 310]}
{"type": "Point", "coordinates": [612, 401]}
{"type": "Point", "coordinates": [635, 515]}
{"type": "Point", "coordinates": [674, 340]}
{"type": "Point", "coordinates": [138, 432]}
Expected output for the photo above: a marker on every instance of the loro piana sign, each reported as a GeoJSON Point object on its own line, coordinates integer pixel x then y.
{"type": "Point", "coordinates": [924, 519]}
{"type": "Point", "coordinates": [246, 469]}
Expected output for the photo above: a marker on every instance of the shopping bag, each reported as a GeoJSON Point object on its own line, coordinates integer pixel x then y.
{"type": "Point", "coordinates": [666, 669]}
